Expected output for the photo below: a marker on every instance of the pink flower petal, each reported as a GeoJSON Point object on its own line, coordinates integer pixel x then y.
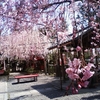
{"type": "Point", "coordinates": [76, 62]}
{"type": "Point", "coordinates": [87, 75]}
{"type": "Point", "coordinates": [78, 48]}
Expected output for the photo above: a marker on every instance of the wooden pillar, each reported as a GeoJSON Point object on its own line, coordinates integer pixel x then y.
{"type": "Point", "coordinates": [62, 65]}
{"type": "Point", "coordinates": [96, 59]}
{"type": "Point", "coordinates": [45, 65]}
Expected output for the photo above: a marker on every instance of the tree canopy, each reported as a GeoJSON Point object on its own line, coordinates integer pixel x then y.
{"type": "Point", "coordinates": [18, 15]}
{"type": "Point", "coordinates": [50, 17]}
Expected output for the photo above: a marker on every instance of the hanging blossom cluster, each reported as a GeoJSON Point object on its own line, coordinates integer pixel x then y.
{"type": "Point", "coordinates": [95, 34]}
{"type": "Point", "coordinates": [79, 74]}
{"type": "Point", "coordinates": [95, 22]}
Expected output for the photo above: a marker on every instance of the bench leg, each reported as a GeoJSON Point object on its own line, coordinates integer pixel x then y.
{"type": "Point", "coordinates": [36, 78]}
{"type": "Point", "coordinates": [18, 80]}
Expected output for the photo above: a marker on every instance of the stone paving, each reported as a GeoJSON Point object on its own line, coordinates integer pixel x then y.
{"type": "Point", "coordinates": [3, 88]}
{"type": "Point", "coordinates": [46, 88]}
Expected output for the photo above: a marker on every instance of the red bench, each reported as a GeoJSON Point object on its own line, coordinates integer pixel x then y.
{"type": "Point", "coordinates": [26, 76]}
{"type": "Point", "coordinates": [2, 71]}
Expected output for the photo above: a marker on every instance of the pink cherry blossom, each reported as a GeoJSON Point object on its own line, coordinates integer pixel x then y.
{"type": "Point", "coordinates": [83, 83]}
{"type": "Point", "coordinates": [89, 66]}
{"type": "Point", "coordinates": [86, 83]}
{"type": "Point", "coordinates": [78, 71]}
{"type": "Point", "coordinates": [70, 63]}
{"type": "Point", "coordinates": [69, 70]}
{"type": "Point", "coordinates": [92, 18]}
{"type": "Point", "coordinates": [79, 86]}
{"type": "Point", "coordinates": [76, 62]}
{"type": "Point", "coordinates": [98, 14]}
{"type": "Point", "coordinates": [87, 74]}
{"type": "Point", "coordinates": [78, 48]}
{"type": "Point", "coordinates": [74, 90]}
{"type": "Point", "coordinates": [79, 74]}
{"type": "Point", "coordinates": [73, 76]}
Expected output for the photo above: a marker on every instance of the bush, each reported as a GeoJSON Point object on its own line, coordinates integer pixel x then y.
{"type": "Point", "coordinates": [6, 73]}
{"type": "Point", "coordinates": [31, 70]}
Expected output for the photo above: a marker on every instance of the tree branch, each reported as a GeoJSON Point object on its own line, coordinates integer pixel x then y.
{"type": "Point", "coordinates": [44, 7]}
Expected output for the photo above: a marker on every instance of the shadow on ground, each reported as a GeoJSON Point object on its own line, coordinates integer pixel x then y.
{"type": "Point", "coordinates": [46, 89]}
{"type": "Point", "coordinates": [45, 92]}
{"type": "Point", "coordinates": [95, 97]}
{"type": "Point", "coordinates": [23, 82]}
{"type": "Point", "coordinates": [49, 91]}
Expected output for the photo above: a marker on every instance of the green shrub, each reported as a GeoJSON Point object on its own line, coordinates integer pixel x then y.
{"type": "Point", "coordinates": [30, 70]}
{"type": "Point", "coordinates": [6, 73]}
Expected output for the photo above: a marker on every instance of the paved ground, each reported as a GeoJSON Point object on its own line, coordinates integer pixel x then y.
{"type": "Point", "coordinates": [46, 88]}
{"type": "Point", "coordinates": [3, 88]}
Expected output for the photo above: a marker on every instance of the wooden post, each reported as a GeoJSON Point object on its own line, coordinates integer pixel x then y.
{"type": "Point", "coordinates": [62, 65]}
{"type": "Point", "coordinates": [96, 58]}
{"type": "Point", "coordinates": [45, 66]}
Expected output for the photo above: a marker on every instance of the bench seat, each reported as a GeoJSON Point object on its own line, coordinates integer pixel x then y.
{"type": "Point", "coordinates": [26, 76]}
